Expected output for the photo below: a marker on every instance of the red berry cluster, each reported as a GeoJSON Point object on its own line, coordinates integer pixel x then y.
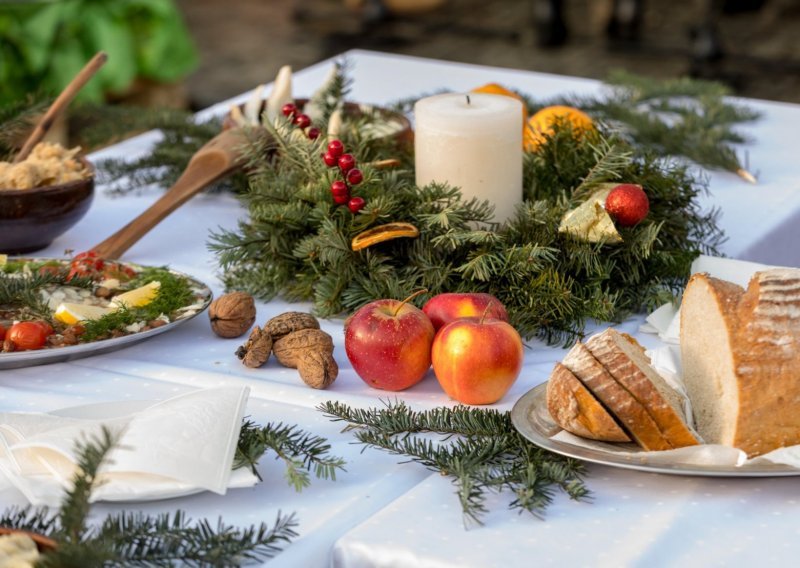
{"type": "Point", "coordinates": [300, 120]}
{"type": "Point", "coordinates": [340, 189]}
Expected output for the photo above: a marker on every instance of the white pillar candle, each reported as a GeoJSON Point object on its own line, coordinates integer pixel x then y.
{"type": "Point", "coordinates": [473, 142]}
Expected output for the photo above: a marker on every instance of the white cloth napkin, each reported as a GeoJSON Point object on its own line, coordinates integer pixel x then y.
{"type": "Point", "coordinates": [182, 445]}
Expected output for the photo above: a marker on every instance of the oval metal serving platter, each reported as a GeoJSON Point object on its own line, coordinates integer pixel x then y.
{"type": "Point", "coordinates": [19, 359]}
{"type": "Point", "coordinates": [532, 419]}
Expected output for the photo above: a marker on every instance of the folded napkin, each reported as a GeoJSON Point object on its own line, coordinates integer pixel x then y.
{"type": "Point", "coordinates": [182, 445]}
{"type": "Point", "coordinates": [666, 320]}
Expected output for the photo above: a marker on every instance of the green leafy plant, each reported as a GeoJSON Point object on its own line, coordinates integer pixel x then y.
{"type": "Point", "coordinates": [43, 45]}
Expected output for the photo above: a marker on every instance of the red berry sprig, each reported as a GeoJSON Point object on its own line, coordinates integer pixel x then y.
{"type": "Point", "coordinates": [341, 188]}
{"type": "Point", "coordinates": [300, 120]}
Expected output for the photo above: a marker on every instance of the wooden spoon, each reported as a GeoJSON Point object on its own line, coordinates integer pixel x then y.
{"type": "Point", "coordinates": [60, 104]}
{"type": "Point", "coordinates": [217, 158]}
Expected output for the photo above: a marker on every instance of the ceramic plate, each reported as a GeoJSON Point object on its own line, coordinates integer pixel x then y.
{"type": "Point", "coordinates": [18, 359]}
{"type": "Point", "coordinates": [531, 418]}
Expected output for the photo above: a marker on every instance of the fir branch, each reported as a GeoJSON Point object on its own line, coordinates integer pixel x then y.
{"type": "Point", "coordinates": [479, 449]}
{"type": "Point", "coordinates": [300, 451]}
{"type": "Point", "coordinates": [167, 539]}
{"type": "Point", "coordinates": [75, 509]}
{"type": "Point", "coordinates": [17, 118]}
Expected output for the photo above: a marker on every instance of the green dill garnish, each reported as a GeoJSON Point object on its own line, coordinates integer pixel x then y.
{"type": "Point", "coordinates": [174, 293]}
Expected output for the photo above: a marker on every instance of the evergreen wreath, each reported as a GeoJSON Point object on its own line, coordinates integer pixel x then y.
{"type": "Point", "coordinates": [296, 242]}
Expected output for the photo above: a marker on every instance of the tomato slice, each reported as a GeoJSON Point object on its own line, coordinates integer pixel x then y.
{"type": "Point", "coordinates": [27, 335]}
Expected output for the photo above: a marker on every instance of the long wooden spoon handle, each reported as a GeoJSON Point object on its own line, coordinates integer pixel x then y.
{"type": "Point", "coordinates": [61, 103]}
{"type": "Point", "coordinates": [199, 174]}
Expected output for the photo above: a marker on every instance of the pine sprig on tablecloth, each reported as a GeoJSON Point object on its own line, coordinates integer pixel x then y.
{"type": "Point", "coordinates": [300, 451]}
{"type": "Point", "coordinates": [675, 117]}
{"type": "Point", "coordinates": [479, 449]}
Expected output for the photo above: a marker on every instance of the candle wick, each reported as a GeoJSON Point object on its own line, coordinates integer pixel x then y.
{"type": "Point", "coordinates": [468, 99]}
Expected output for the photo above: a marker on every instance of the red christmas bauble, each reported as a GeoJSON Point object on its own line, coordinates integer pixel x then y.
{"type": "Point", "coordinates": [627, 204]}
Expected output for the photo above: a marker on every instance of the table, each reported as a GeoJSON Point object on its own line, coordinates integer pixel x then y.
{"type": "Point", "coordinates": [383, 513]}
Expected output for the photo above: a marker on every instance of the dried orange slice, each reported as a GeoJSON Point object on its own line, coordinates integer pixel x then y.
{"type": "Point", "coordinates": [383, 233]}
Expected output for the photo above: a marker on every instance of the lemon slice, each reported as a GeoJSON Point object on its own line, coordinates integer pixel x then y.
{"type": "Point", "coordinates": [137, 297]}
{"type": "Point", "coordinates": [71, 314]}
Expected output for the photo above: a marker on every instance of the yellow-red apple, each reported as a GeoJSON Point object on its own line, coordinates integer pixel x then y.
{"type": "Point", "coordinates": [476, 360]}
{"type": "Point", "coordinates": [444, 308]}
{"type": "Point", "coordinates": [388, 342]}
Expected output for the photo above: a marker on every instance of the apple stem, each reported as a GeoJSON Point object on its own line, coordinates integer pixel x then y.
{"type": "Point", "coordinates": [407, 300]}
{"type": "Point", "coordinates": [486, 310]}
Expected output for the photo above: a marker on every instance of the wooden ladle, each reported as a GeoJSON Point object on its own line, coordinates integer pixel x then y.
{"type": "Point", "coordinates": [217, 158]}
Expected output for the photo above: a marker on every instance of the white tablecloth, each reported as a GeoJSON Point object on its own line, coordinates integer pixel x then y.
{"type": "Point", "coordinates": [379, 512]}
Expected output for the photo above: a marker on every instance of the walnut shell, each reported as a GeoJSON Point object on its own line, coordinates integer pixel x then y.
{"type": "Point", "coordinates": [288, 322]}
{"type": "Point", "coordinates": [232, 314]}
{"type": "Point", "coordinates": [256, 349]}
{"type": "Point", "coordinates": [310, 351]}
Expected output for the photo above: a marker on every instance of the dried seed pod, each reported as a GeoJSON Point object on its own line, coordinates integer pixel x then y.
{"type": "Point", "coordinates": [310, 351]}
{"type": "Point", "coordinates": [256, 349]}
{"type": "Point", "coordinates": [289, 322]}
{"type": "Point", "coordinates": [232, 314]}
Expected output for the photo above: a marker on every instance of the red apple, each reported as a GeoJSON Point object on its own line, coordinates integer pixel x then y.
{"type": "Point", "coordinates": [388, 343]}
{"type": "Point", "coordinates": [444, 308]}
{"type": "Point", "coordinates": [476, 360]}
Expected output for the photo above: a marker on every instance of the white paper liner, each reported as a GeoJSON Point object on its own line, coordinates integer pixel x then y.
{"type": "Point", "coordinates": [178, 446]}
{"type": "Point", "coordinates": [666, 360]}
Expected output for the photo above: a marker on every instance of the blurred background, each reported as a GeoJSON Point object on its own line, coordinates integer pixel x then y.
{"type": "Point", "coordinates": [752, 45]}
{"type": "Point", "coordinates": [192, 53]}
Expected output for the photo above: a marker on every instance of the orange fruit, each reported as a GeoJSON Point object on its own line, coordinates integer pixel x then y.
{"type": "Point", "coordinates": [542, 122]}
{"type": "Point", "coordinates": [497, 89]}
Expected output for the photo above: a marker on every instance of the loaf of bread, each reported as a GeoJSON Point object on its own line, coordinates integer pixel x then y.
{"type": "Point", "coordinates": [740, 353]}
{"type": "Point", "coordinates": [576, 409]}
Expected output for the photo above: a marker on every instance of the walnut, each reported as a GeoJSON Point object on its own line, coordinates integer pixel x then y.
{"type": "Point", "coordinates": [310, 351]}
{"type": "Point", "coordinates": [256, 349]}
{"type": "Point", "coordinates": [288, 322]}
{"type": "Point", "coordinates": [232, 314]}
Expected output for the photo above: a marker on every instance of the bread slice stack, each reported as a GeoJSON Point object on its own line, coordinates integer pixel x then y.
{"type": "Point", "coordinates": [606, 390]}
{"type": "Point", "coordinates": [740, 353]}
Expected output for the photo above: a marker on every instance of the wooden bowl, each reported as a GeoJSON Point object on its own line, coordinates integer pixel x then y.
{"type": "Point", "coordinates": [403, 137]}
{"type": "Point", "coordinates": [31, 218]}
{"type": "Point", "coordinates": [43, 543]}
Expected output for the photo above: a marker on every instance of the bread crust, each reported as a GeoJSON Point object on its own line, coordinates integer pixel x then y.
{"type": "Point", "coordinates": [620, 403]}
{"type": "Point", "coordinates": [763, 345]}
{"type": "Point", "coordinates": [573, 407]}
{"type": "Point", "coordinates": [632, 370]}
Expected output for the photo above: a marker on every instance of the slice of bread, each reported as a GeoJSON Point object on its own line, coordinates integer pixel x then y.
{"type": "Point", "coordinates": [633, 416]}
{"type": "Point", "coordinates": [576, 409]}
{"type": "Point", "coordinates": [625, 360]}
{"type": "Point", "coordinates": [740, 354]}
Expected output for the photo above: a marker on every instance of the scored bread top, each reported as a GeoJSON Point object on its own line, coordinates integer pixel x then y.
{"type": "Point", "coordinates": [576, 410]}
{"type": "Point", "coordinates": [626, 361]}
{"type": "Point", "coordinates": [620, 403]}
